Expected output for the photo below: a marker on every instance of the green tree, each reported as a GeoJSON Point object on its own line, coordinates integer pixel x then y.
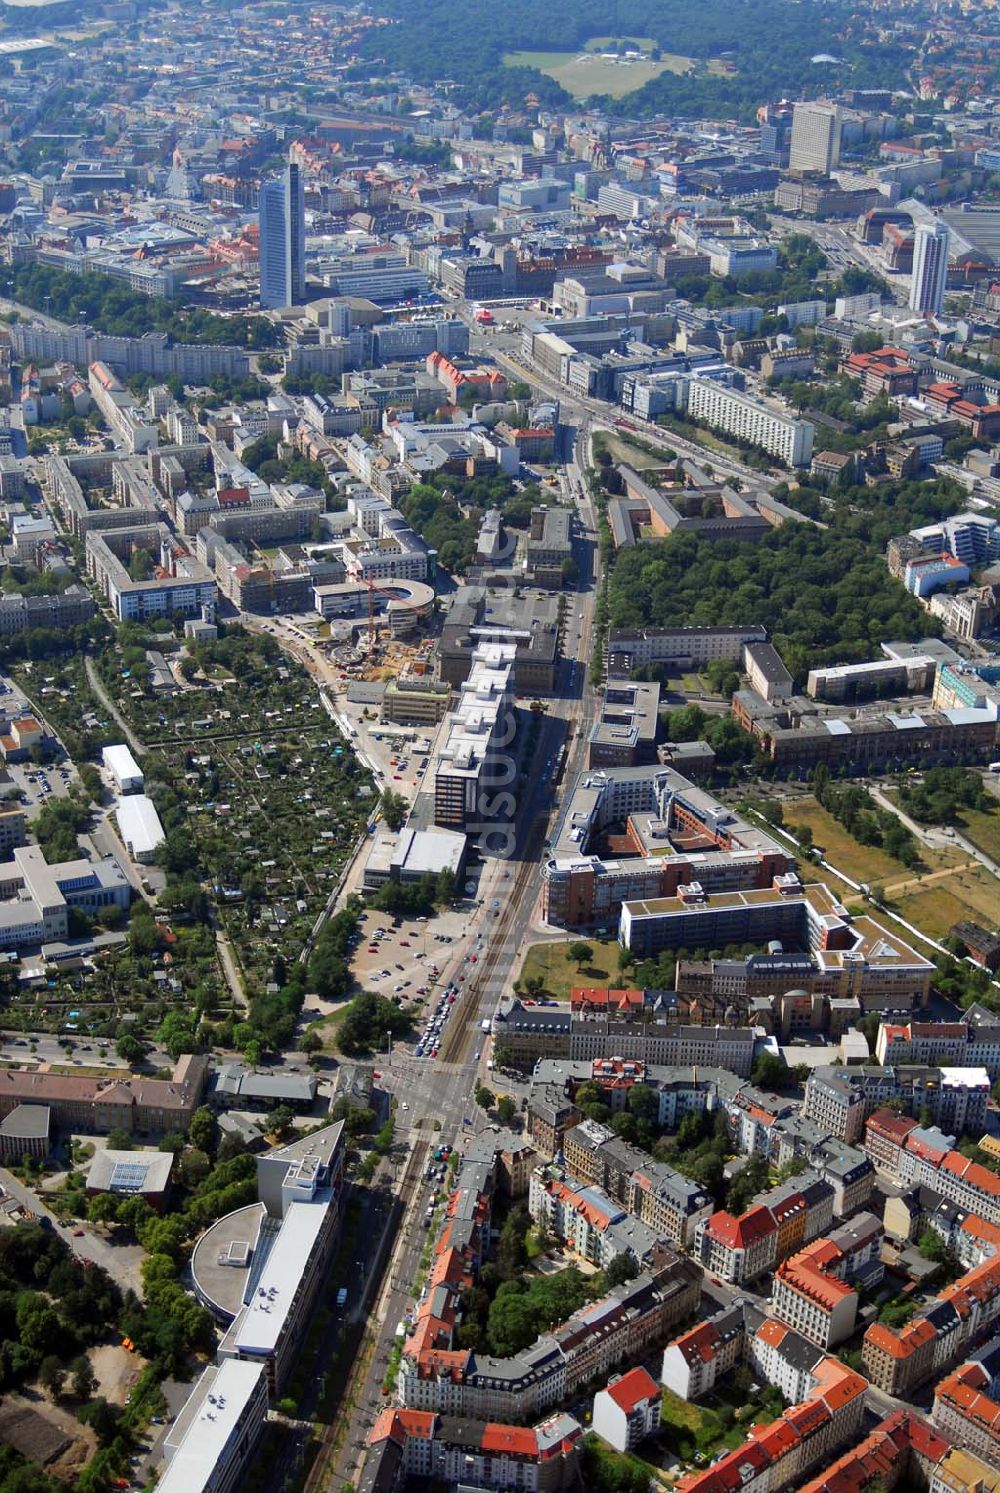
{"type": "Point", "coordinates": [82, 1377]}
{"type": "Point", "coordinates": [506, 1109]}
{"type": "Point", "coordinates": [52, 1374]}
{"type": "Point", "coordinates": [622, 1268]}
{"type": "Point", "coordinates": [280, 1120]}
{"type": "Point", "coordinates": [103, 1208]}
{"type": "Point", "coordinates": [129, 1048]}
{"type": "Point", "coordinates": [394, 809]}
{"type": "Point", "coordinates": [579, 953]}
{"type": "Point", "coordinates": [770, 1073]}
{"type": "Point", "coordinates": [201, 1130]}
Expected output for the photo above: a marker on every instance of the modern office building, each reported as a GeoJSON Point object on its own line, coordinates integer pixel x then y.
{"type": "Point", "coordinates": [930, 268]}
{"type": "Point", "coordinates": [211, 1444]}
{"type": "Point", "coordinates": [262, 1267]}
{"type": "Point", "coordinates": [815, 145]}
{"type": "Point", "coordinates": [282, 240]}
{"type": "Point", "coordinates": [474, 764]}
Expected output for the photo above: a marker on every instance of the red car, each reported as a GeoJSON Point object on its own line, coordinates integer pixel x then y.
{"type": "Point", "coordinates": [373, 948]}
{"type": "Point", "coordinates": [474, 959]}
{"type": "Point", "coordinates": [404, 943]}
{"type": "Point", "coordinates": [398, 776]}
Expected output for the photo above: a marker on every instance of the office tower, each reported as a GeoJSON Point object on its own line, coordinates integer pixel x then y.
{"type": "Point", "coordinates": [930, 268]}
{"type": "Point", "coordinates": [775, 133]}
{"type": "Point", "coordinates": [815, 138]}
{"type": "Point", "coordinates": [282, 240]}
{"type": "Point", "coordinates": [341, 320]}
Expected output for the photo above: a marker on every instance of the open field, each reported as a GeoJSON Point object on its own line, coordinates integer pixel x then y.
{"type": "Point", "coordinates": [862, 862]}
{"type": "Point", "coordinates": [968, 893]}
{"type": "Point", "coordinates": [548, 962]}
{"type": "Point", "coordinates": [629, 455]}
{"type": "Point", "coordinates": [584, 73]}
{"type": "Point", "coordinates": [983, 830]}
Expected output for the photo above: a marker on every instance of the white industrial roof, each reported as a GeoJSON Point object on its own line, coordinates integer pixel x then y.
{"type": "Point", "coordinates": [193, 1465]}
{"type": "Point", "coordinates": [119, 760]}
{"type": "Point", "coordinates": [265, 1314]}
{"type": "Point", "coordinates": [139, 824]}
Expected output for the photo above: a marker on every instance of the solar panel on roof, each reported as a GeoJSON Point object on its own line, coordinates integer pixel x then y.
{"type": "Point", "coordinates": [128, 1176]}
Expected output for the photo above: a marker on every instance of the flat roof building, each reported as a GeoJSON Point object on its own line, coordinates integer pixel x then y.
{"type": "Point", "coordinates": [140, 828]}
{"type": "Point", "coordinates": [25, 1132]}
{"type": "Point", "coordinates": [124, 769]}
{"type": "Point", "coordinates": [211, 1444]}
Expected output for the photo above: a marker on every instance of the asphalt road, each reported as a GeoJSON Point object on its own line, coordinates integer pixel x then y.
{"type": "Point", "coordinates": [121, 1261]}
{"type": "Point", "coordinates": [438, 1092]}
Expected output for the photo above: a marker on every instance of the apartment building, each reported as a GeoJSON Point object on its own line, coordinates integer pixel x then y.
{"type": "Point", "coordinates": [738, 1249]}
{"type": "Point", "coordinates": [651, 1191]}
{"type": "Point", "coordinates": [693, 1362]}
{"type": "Point", "coordinates": [897, 1361]}
{"type": "Point", "coordinates": [748, 419]}
{"type": "Point", "coordinates": [811, 1297]}
{"type": "Point", "coordinates": [912, 1156]}
{"type": "Point", "coordinates": [966, 1409]}
{"type": "Point", "coordinates": [120, 411]}
{"type": "Point", "coordinates": [586, 1219]}
{"type": "Point", "coordinates": [20, 613]}
{"type": "Point", "coordinates": [902, 1451]}
{"type": "Point", "coordinates": [628, 1410]}
{"type": "Point", "coordinates": [407, 1444]}
{"type": "Point", "coordinates": [958, 1044]}
{"type": "Point", "coordinates": [842, 1099]}
{"type": "Point", "coordinates": [69, 479]}
{"type": "Point", "coordinates": [530, 1032]}
{"type": "Point", "coordinates": [179, 584]}
{"type": "Point", "coordinates": [779, 1455]}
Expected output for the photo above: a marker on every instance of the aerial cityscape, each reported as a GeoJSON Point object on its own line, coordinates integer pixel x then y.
{"type": "Point", "coordinates": [499, 747]}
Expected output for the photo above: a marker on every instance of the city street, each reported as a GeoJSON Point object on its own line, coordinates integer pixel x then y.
{"type": "Point", "coordinates": [121, 1261]}
{"type": "Point", "coordinates": [438, 1093]}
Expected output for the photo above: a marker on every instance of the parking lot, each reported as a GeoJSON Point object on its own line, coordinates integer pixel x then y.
{"type": "Point", "coordinates": [36, 785]}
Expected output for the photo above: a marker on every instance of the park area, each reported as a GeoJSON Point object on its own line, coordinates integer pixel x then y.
{"type": "Point", "coordinates": [604, 65]}
{"type": "Point", "coordinates": [861, 862]}
{"type": "Point", "coordinates": [559, 970]}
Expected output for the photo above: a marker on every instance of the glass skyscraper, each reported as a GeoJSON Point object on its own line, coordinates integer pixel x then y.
{"type": "Point", "coordinates": [282, 240]}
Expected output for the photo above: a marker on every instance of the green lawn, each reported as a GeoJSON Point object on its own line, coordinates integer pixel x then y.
{"type": "Point", "coordinates": [862, 862]}
{"type": "Point", "coordinates": [584, 73]}
{"type": "Point", "coordinates": [624, 451]}
{"type": "Point", "coordinates": [973, 893]}
{"type": "Point", "coordinates": [983, 830]}
{"type": "Point", "coordinates": [548, 962]}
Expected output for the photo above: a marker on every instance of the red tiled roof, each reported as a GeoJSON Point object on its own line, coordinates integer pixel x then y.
{"type": "Point", "coordinates": [517, 1441]}
{"type": "Point", "coordinates": [632, 1389]}
{"type": "Point", "coordinates": [739, 1233]}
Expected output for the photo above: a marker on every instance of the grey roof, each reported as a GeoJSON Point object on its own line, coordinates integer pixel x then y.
{"type": "Point", "coordinates": [239, 1082]}
{"type": "Point", "coordinates": [26, 1122]}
